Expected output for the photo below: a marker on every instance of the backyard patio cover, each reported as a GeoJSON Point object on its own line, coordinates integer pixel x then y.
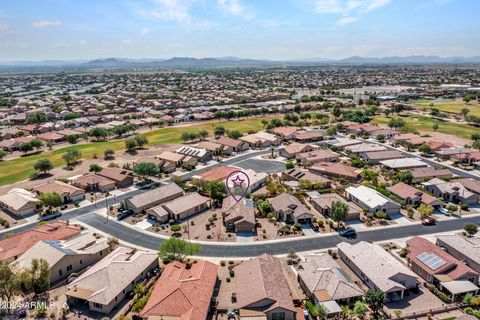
{"type": "Point", "coordinates": [459, 286]}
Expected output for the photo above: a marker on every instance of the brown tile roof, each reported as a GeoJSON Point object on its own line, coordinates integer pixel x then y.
{"type": "Point", "coordinates": [185, 202]}
{"type": "Point", "coordinates": [170, 156]}
{"type": "Point", "coordinates": [405, 191]}
{"type": "Point", "coordinates": [16, 245]}
{"type": "Point", "coordinates": [183, 293]}
{"type": "Point", "coordinates": [262, 278]}
{"type": "Point", "coordinates": [229, 142]}
{"type": "Point", "coordinates": [58, 187]}
{"type": "Point", "coordinates": [115, 174]}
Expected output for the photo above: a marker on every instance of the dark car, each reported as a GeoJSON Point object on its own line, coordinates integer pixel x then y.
{"type": "Point", "coordinates": [429, 221]}
{"type": "Point", "coordinates": [315, 226]}
{"type": "Point", "coordinates": [348, 232]}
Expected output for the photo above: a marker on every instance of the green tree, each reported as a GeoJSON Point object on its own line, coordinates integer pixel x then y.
{"type": "Point", "coordinates": [203, 134]}
{"type": "Point", "coordinates": [375, 299]}
{"type": "Point", "coordinates": [435, 126]}
{"type": "Point", "coordinates": [72, 157]}
{"type": "Point", "coordinates": [95, 167]}
{"type": "Point", "coordinates": [40, 275]}
{"type": "Point", "coordinates": [130, 144]}
{"type": "Point", "coordinates": [321, 311]}
{"type": "Point", "coordinates": [331, 131]}
{"type": "Point", "coordinates": [359, 308]}
{"type": "Point", "coordinates": [381, 138]}
{"type": "Point", "coordinates": [425, 149]}
{"type": "Point", "coordinates": [178, 249]}
{"type": "Point", "coordinates": [99, 133]}
{"type": "Point", "coordinates": [464, 112]}
{"type": "Point", "coordinates": [146, 169]}
{"type": "Point", "coordinates": [404, 176]}
{"type": "Point", "coordinates": [219, 131]}
{"type": "Point", "coordinates": [470, 228]}
{"type": "Point", "coordinates": [26, 147]}
{"type": "Point", "coordinates": [141, 140]}
{"type": "Point", "coordinates": [339, 211]}
{"type": "Point", "coordinates": [43, 165]}
{"type": "Point", "coordinates": [425, 210]}
{"type": "Point", "coordinates": [72, 139]}
{"type": "Point", "coordinates": [37, 143]}
{"type": "Point", "coordinates": [396, 123]}
{"type": "Point", "coordinates": [50, 199]}
{"type": "Point", "coordinates": [289, 165]}
{"type": "Point", "coordinates": [185, 137]}
{"type": "Point", "coordinates": [9, 281]}
{"type": "Point", "coordinates": [476, 145]}
{"type": "Point", "coordinates": [370, 175]}
{"type": "Point", "coordinates": [3, 154]}
{"type": "Point", "coordinates": [235, 134]}
{"type": "Point", "coordinates": [216, 190]}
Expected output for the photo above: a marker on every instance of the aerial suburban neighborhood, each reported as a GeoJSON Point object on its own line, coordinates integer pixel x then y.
{"type": "Point", "coordinates": [282, 188]}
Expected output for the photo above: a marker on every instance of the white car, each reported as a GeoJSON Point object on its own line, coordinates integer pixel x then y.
{"type": "Point", "coordinates": [444, 211]}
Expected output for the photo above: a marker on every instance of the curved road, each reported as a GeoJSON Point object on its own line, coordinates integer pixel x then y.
{"type": "Point", "coordinates": [277, 247]}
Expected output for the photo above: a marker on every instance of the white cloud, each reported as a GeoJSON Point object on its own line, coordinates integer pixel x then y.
{"type": "Point", "coordinates": [270, 23]}
{"type": "Point", "coordinates": [46, 23]}
{"type": "Point", "coordinates": [346, 20]}
{"type": "Point", "coordinates": [235, 8]}
{"type": "Point", "coordinates": [144, 31]}
{"type": "Point", "coordinates": [348, 6]}
{"type": "Point", "coordinates": [82, 43]}
{"type": "Point", "coordinates": [169, 10]}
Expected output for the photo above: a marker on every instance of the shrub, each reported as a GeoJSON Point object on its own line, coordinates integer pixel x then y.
{"type": "Point", "coordinates": [227, 279]}
{"type": "Point", "coordinates": [175, 227]}
{"type": "Point", "coordinates": [222, 263]}
{"type": "Point", "coordinates": [442, 296]}
{"type": "Point", "coordinates": [232, 273]}
{"type": "Point", "coordinates": [464, 206]}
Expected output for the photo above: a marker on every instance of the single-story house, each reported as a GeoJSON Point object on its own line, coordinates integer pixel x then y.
{"type": "Point", "coordinates": [336, 170]}
{"type": "Point", "coordinates": [183, 207]}
{"type": "Point", "coordinates": [288, 208]}
{"type": "Point", "coordinates": [238, 216]}
{"type": "Point", "coordinates": [371, 200]}
{"type": "Point", "coordinates": [68, 192]}
{"type": "Point", "coordinates": [323, 204]}
{"type": "Point", "coordinates": [110, 280]}
{"type": "Point", "coordinates": [378, 269]}
{"type": "Point", "coordinates": [403, 163]}
{"type": "Point", "coordinates": [297, 174]}
{"type": "Point", "coordinates": [427, 173]}
{"type": "Point", "coordinates": [182, 293]}
{"type": "Point", "coordinates": [318, 155]}
{"type": "Point", "coordinates": [93, 182]}
{"type": "Point", "coordinates": [123, 178]}
{"type": "Point", "coordinates": [377, 156]}
{"type": "Point", "coordinates": [324, 281]}
{"type": "Point", "coordinates": [462, 248]}
{"type": "Point", "coordinates": [13, 247]}
{"type": "Point", "coordinates": [232, 145]}
{"type": "Point", "coordinates": [439, 268]}
{"type": "Point", "coordinates": [293, 149]}
{"type": "Point", "coordinates": [262, 290]}
{"type": "Point", "coordinates": [65, 257]}
{"type": "Point", "coordinates": [450, 191]}
{"type": "Point", "coordinates": [201, 155]}
{"type": "Point", "coordinates": [152, 198]}
{"type": "Point", "coordinates": [413, 196]}
{"type": "Point", "coordinates": [20, 202]}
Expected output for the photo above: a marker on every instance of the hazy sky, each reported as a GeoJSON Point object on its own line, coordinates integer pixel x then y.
{"type": "Point", "coordinates": [261, 29]}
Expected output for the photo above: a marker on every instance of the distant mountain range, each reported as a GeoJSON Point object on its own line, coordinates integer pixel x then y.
{"type": "Point", "coordinates": [187, 62]}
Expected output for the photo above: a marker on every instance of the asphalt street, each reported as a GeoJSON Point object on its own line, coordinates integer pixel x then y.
{"type": "Point", "coordinates": [278, 247]}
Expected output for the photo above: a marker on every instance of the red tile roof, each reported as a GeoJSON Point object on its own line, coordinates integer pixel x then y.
{"type": "Point", "coordinates": [453, 268]}
{"type": "Point", "coordinates": [16, 245]}
{"type": "Point", "coordinates": [183, 293]}
{"type": "Point", "coordinates": [217, 173]}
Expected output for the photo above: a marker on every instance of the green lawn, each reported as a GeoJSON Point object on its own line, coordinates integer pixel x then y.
{"type": "Point", "coordinates": [423, 123]}
{"type": "Point", "coordinates": [20, 169]}
{"type": "Point", "coordinates": [452, 106]}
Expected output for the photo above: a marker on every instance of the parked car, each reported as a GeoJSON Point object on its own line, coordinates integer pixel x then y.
{"type": "Point", "coordinates": [315, 226]}
{"type": "Point", "coordinates": [429, 221]}
{"type": "Point", "coordinates": [123, 214]}
{"type": "Point", "coordinates": [348, 232]}
{"type": "Point", "coordinates": [444, 211]}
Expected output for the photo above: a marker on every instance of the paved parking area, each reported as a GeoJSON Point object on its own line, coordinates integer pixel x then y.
{"type": "Point", "coordinates": [259, 165]}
